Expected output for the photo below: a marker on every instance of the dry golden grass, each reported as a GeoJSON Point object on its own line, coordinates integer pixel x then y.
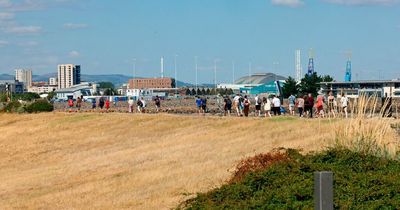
{"type": "Point", "coordinates": [117, 161]}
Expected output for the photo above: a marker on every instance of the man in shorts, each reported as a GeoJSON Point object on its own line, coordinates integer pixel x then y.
{"type": "Point", "coordinates": [258, 106]}
{"type": "Point", "coordinates": [292, 102]}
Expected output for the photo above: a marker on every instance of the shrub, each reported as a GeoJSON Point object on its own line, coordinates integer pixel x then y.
{"type": "Point", "coordinates": [40, 106]}
{"type": "Point", "coordinates": [361, 181]}
{"type": "Point", "coordinates": [11, 106]}
{"type": "Point", "coordinates": [26, 96]}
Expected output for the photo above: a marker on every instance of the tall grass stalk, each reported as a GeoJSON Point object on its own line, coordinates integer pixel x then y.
{"type": "Point", "coordinates": [368, 131]}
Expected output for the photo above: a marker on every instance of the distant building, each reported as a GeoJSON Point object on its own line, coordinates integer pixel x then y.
{"type": "Point", "coordinates": [381, 88]}
{"type": "Point", "coordinates": [81, 90]}
{"type": "Point", "coordinates": [53, 81]}
{"type": "Point", "coordinates": [252, 81]}
{"type": "Point", "coordinates": [68, 75]}
{"type": "Point", "coordinates": [152, 83]}
{"type": "Point", "coordinates": [13, 86]}
{"type": "Point", "coordinates": [24, 76]}
{"type": "Point", "coordinates": [42, 89]}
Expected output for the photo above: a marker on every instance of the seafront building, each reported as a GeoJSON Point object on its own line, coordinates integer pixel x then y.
{"type": "Point", "coordinates": [68, 75]}
{"type": "Point", "coordinates": [84, 90]}
{"type": "Point", "coordinates": [380, 88]}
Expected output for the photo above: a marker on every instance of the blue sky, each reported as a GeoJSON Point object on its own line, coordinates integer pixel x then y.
{"type": "Point", "coordinates": [105, 36]}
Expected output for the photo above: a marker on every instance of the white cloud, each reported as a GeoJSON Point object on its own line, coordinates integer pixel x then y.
{"type": "Point", "coordinates": [6, 16]}
{"type": "Point", "coordinates": [3, 43]}
{"type": "Point", "coordinates": [74, 54]}
{"type": "Point", "coordinates": [288, 3]}
{"type": "Point", "coordinates": [23, 30]}
{"type": "Point", "coordinates": [75, 26]}
{"type": "Point", "coordinates": [363, 2]}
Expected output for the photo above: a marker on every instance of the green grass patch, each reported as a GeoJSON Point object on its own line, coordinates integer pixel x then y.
{"type": "Point", "coordinates": [285, 181]}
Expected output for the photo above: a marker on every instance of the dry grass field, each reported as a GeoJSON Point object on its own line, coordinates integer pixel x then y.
{"type": "Point", "coordinates": [123, 161]}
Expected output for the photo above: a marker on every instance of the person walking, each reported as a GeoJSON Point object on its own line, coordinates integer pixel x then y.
{"type": "Point", "coordinates": [70, 104]}
{"type": "Point", "coordinates": [198, 104]}
{"type": "Point", "coordinates": [310, 99]}
{"type": "Point", "coordinates": [267, 107]}
{"type": "Point", "coordinates": [101, 104]}
{"type": "Point", "coordinates": [131, 104]}
{"type": "Point", "coordinates": [344, 101]}
{"type": "Point", "coordinates": [227, 106]}
{"type": "Point", "coordinates": [236, 104]}
{"type": "Point", "coordinates": [320, 106]}
{"type": "Point", "coordinates": [93, 103]}
{"type": "Point", "coordinates": [276, 102]}
{"type": "Point", "coordinates": [300, 106]}
{"type": "Point", "coordinates": [331, 105]}
{"type": "Point", "coordinates": [107, 104]}
{"type": "Point", "coordinates": [204, 105]}
{"type": "Point", "coordinates": [143, 109]}
{"type": "Point", "coordinates": [258, 103]}
{"type": "Point", "coordinates": [157, 102]}
{"type": "Point", "coordinates": [292, 102]}
{"type": "Point", "coordinates": [78, 103]}
{"type": "Point", "coordinates": [246, 106]}
{"type": "Point", "coordinates": [139, 105]}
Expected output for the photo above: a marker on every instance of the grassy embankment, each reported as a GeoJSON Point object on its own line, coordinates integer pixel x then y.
{"type": "Point", "coordinates": [365, 160]}
{"type": "Point", "coordinates": [108, 161]}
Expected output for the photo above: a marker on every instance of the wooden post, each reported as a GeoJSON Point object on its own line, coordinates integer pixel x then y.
{"type": "Point", "coordinates": [323, 190]}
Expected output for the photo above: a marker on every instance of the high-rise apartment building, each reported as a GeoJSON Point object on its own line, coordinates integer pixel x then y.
{"type": "Point", "coordinates": [52, 81]}
{"type": "Point", "coordinates": [68, 75]}
{"type": "Point", "coordinates": [24, 76]}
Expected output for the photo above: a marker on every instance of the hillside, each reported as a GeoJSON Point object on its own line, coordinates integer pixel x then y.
{"type": "Point", "coordinates": [115, 161]}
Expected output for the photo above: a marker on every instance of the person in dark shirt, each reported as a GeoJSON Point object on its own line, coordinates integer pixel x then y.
{"type": "Point", "coordinates": [310, 104]}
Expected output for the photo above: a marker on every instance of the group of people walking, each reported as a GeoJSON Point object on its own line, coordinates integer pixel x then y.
{"type": "Point", "coordinates": [306, 106]}
{"type": "Point", "coordinates": [242, 104]}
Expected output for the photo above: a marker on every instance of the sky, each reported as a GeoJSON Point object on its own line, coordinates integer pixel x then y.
{"type": "Point", "coordinates": [113, 36]}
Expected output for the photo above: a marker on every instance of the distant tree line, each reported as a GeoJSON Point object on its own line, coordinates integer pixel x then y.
{"type": "Point", "coordinates": [309, 84]}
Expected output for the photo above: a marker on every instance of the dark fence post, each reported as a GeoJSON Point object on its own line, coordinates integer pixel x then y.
{"type": "Point", "coordinates": [323, 190]}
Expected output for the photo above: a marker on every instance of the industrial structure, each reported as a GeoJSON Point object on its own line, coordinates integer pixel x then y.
{"type": "Point", "coordinates": [252, 81]}
{"type": "Point", "coordinates": [348, 69]}
{"type": "Point", "coordinates": [311, 67]}
{"type": "Point", "coordinates": [299, 69]}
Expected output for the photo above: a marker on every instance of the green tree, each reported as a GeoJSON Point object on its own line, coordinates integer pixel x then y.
{"type": "Point", "coordinates": [326, 78]}
{"type": "Point", "coordinates": [311, 84]}
{"type": "Point", "coordinates": [229, 91]}
{"type": "Point", "coordinates": [51, 95]}
{"type": "Point", "coordinates": [26, 96]}
{"type": "Point", "coordinates": [194, 92]}
{"type": "Point", "coordinates": [208, 92]}
{"type": "Point", "coordinates": [188, 92]}
{"type": "Point", "coordinates": [105, 85]}
{"type": "Point", "coordinates": [290, 87]}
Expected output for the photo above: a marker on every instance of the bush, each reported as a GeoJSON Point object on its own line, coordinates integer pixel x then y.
{"type": "Point", "coordinates": [11, 106]}
{"type": "Point", "coordinates": [26, 96]}
{"type": "Point", "coordinates": [361, 181]}
{"type": "Point", "coordinates": [40, 106]}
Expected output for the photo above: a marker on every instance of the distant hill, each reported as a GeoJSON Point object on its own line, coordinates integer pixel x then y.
{"type": "Point", "coordinates": [6, 77]}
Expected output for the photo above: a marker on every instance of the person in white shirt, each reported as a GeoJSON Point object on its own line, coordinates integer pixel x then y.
{"type": "Point", "coordinates": [143, 105]}
{"type": "Point", "coordinates": [236, 104]}
{"type": "Point", "coordinates": [276, 102]}
{"type": "Point", "coordinates": [131, 103]}
{"type": "Point", "coordinates": [267, 107]}
{"type": "Point", "coordinates": [344, 101]}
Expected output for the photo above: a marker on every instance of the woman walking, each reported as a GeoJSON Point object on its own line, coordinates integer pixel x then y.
{"type": "Point", "coordinates": [331, 105]}
{"type": "Point", "coordinates": [246, 106]}
{"type": "Point", "coordinates": [267, 107]}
